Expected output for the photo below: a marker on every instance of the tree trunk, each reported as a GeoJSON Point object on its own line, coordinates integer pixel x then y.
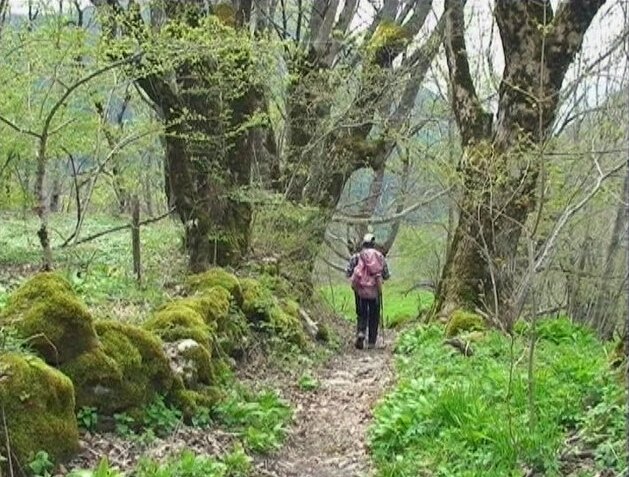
{"type": "Point", "coordinates": [204, 188]}
{"type": "Point", "coordinates": [42, 205]}
{"type": "Point", "coordinates": [500, 165]}
{"type": "Point", "coordinates": [604, 314]}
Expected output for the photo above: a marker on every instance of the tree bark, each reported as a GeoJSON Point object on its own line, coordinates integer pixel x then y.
{"type": "Point", "coordinates": [500, 166]}
{"type": "Point", "coordinates": [207, 150]}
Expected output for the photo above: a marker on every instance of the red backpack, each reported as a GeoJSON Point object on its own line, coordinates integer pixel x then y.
{"type": "Point", "coordinates": [367, 276]}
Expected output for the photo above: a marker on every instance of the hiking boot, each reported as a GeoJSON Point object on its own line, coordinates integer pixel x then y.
{"type": "Point", "coordinates": [360, 340]}
{"type": "Point", "coordinates": [371, 345]}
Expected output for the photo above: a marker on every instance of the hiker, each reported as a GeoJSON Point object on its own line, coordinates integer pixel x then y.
{"type": "Point", "coordinates": [367, 269]}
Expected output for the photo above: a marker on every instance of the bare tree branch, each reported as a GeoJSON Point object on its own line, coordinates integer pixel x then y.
{"type": "Point", "coordinates": [384, 220]}
{"type": "Point", "coordinates": [474, 123]}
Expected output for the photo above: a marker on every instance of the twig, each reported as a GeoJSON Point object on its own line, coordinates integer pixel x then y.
{"type": "Point", "coordinates": [383, 220]}
{"type": "Point", "coordinates": [8, 441]}
{"type": "Point", "coordinates": [122, 227]}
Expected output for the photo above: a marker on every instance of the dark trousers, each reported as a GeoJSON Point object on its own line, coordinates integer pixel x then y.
{"type": "Point", "coordinates": [368, 316]}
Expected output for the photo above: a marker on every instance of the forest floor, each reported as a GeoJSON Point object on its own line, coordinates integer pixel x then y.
{"type": "Point", "coordinates": [329, 434]}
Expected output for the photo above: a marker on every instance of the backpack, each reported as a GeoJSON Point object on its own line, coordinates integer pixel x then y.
{"type": "Point", "coordinates": [367, 276]}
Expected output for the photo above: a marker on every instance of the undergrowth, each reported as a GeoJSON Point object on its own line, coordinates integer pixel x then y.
{"type": "Point", "coordinates": [234, 464]}
{"type": "Point", "coordinates": [455, 415]}
{"type": "Point", "coordinates": [260, 420]}
{"type": "Point", "coordinates": [101, 270]}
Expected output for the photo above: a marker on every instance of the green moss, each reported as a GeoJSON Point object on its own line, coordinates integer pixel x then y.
{"type": "Point", "coordinates": [177, 321]}
{"type": "Point", "coordinates": [57, 324]}
{"type": "Point", "coordinates": [461, 321]}
{"type": "Point", "coordinates": [38, 404]}
{"type": "Point", "coordinates": [286, 323]}
{"type": "Point", "coordinates": [191, 401]}
{"type": "Point", "coordinates": [234, 333]}
{"type": "Point", "coordinates": [127, 371]}
{"type": "Point", "coordinates": [42, 283]}
{"type": "Point", "coordinates": [192, 362]}
{"type": "Point", "coordinates": [153, 366]}
{"type": "Point", "coordinates": [388, 35]}
{"type": "Point", "coordinates": [212, 304]}
{"type": "Point", "coordinates": [216, 277]}
{"type": "Point", "coordinates": [98, 381]}
{"type": "Point", "coordinates": [257, 300]}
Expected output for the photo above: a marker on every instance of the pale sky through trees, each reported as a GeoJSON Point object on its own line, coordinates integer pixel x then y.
{"type": "Point", "coordinates": [482, 36]}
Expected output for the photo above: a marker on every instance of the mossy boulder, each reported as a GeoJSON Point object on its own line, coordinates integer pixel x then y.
{"type": "Point", "coordinates": [190, 401]}
{"type": "Point", "coordinates": [213, 304]}
{"type": "Point", "coordinates": [127, 371]}
{"type": "Point", "coordinates": [257, 300]}
{"type": "Point", "coordinates": [216, 277]}
{"type": "Point", "coordinates": [233, 334]}
{"type": "Point", "coordinates": [98, 379]}
{"type": "Point", "coordinates": [177, 321]}
{"type": "Point", "coordinates": [39, 408]}
{"type": "Point", "coordinates": [47, 312]}
{"type": "Point", "coordinates": [462, 321]}
{"type": "Point", "coordinates": [285, 323]}
{"type": "Point", "coordinates": [191, 362]}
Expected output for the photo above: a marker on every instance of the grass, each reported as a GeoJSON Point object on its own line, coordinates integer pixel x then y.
{"type": "Point", "coordinates": [400, 306]}
{"type": "Point", "coordinates": [100, 270]}
{"type": "Point", "coordinates": [454, 415]}
{"type": "Point", "coordinates": [186, 464]}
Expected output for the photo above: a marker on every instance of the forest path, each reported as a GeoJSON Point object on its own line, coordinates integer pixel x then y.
{"type": "Point", "coordinates": [329, 433]}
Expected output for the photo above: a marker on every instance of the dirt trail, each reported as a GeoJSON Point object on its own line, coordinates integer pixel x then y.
{"type": "Point", "coordinates": [329, 434]}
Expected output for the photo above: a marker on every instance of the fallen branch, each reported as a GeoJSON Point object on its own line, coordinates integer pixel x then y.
{"type": "Point", "coordinates": [346, 219]}
{"type": "Point", "coordinates": [119, 228]}
{"type": "Point", "coordinates": [311, 327]}
{"type": "Point", "coordinates": [461, 346]}
{"type": "Point", "coordinates": [427, 284]}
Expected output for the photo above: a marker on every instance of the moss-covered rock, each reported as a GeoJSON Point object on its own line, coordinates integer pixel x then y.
{"type": "Point", "coordinates": [38, 404]}
{"type": "Point", "coordinates": [127, 371]}
{"type": "Point", "coordinates": [285, 322]}
{"type": "Point", "coordinates": [177, 321]}
{"type": "Point", "coordinates": [47, 312]}
{"type": "Point", "coordinates": [216, 277]}
{"type": "Point", "coordinates": [97, 381]}
{"type": "Point", "coordinates": [257, 300]}
{"type": "Point", "coordinates": [213, 304]}
{"type": "Point", "coordinates": [45, 283]}
{"type": "Point", "coordinates": [191, 362]}
{"type": "Point", "coordinates": [462, 320]}
{"type": "Point", "coordinates": [233, 335]}
{"type": "Point", "coordinates": [190, 402]}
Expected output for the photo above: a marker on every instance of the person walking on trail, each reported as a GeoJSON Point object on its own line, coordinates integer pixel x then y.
{"type": "Point", "coordinates": [367, 270]}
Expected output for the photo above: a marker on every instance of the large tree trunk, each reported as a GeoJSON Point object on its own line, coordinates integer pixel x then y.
{"type": "Point", "coordinates": [205, 102]}
{"type": "Point", "coordinates": [205, 189]}
{"type": "Point", "coordinates": [500, 165]}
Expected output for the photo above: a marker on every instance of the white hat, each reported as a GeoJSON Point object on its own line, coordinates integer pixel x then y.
{"type": "Point", "coordinates": [369, 238]}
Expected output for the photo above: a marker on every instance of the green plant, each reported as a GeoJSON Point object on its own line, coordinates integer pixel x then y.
{"type": "Point", "coordinates": [124, 424]}
{"type": "Point", "coordinates": [308, 383]}
{"type": "Point", "coordinates": [238, 463]}
{"type": "Point", "coordinates": [103, 470]}
{"type": "Point", "coordinates": [161, 418]}
{"type": "Point", "coordinates": [41, 465]}
{"type": "Point", "coordinates": [184, 465]}
{"type": "Point", "coordinates": [260, 419]}
{"type": "Point", "coordinates": [456, 415]}
{"type": "Point", "coordinates": [202, 418]}
{"type": "Point", "coordinates": [88, 418]}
